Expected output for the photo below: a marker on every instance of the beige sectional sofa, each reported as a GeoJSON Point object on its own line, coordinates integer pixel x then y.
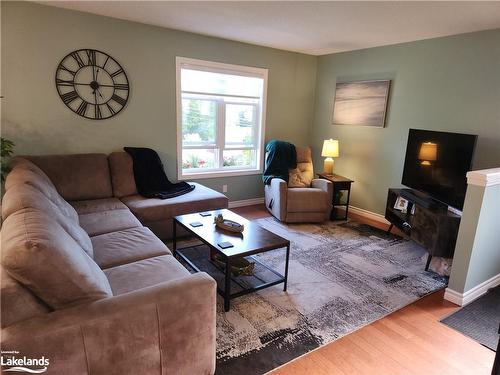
{"type": "Point", "coordinates": [86, 285]}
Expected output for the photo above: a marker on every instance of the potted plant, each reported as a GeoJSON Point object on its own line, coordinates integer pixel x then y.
{"type": "Point", "coordinates": [6, 150]}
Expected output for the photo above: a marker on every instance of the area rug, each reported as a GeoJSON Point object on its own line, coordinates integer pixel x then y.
{"type": "Point", "coordinates": [480, 320]}
{"type": "Point", "coordinates": [341, 277]}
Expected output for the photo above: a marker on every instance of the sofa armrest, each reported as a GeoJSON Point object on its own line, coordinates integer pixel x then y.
{"type": "Point", "coordinates": [276, 197]}
{"type": "Point", "coordinates": [167, 328]}
{"type": "Point", "coordinates": [324, 185]}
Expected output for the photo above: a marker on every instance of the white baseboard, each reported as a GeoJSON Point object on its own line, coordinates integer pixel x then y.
{"type": "Point", "coordinates": [246, 202]}
{"type": "Point", "coordinates": [462, 299]}
{"type": "Point", "coordinates": [367, 214]}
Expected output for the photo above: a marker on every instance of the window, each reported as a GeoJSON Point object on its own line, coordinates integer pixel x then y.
{"type": "Point", "coordinates": [220, 119]}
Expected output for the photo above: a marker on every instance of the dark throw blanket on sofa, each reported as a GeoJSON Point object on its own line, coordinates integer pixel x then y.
{"type": "Point", "coordinates": [280, 157]}
{"type": "Point", "coordinates": [150, 177]}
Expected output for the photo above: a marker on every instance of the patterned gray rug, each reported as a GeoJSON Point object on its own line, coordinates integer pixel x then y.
{"type": "Point", "coordinates": [341, 277]}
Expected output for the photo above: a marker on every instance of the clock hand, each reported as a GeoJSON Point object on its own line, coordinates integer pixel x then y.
{"type": "Point", "coordinates": [88, 84]}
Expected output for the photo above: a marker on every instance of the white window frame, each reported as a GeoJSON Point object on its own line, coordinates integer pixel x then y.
{"type": "Point", "coordinates": [211, 66]}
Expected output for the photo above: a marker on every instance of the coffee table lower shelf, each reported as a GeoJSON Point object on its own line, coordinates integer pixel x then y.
{"type": "Point", "coordinates": [264, 276]}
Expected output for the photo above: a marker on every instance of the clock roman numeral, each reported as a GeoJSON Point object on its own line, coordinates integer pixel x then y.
{"type": "Point", "coordinates": [110, 109]}
{"type": "Point", "coordinates": [97, 112]}
{"type": "Point", "coordinates": [64, 82]}
{"type": "Point", "coordinates": [69, 97]}
{"type": "Point", "coordinates": [119, 100]}
{"type": "Point", "coordinates": [61, 66]}
{"type": "Point", "coordinates": [121, 86]}
{"type": "Point", "coordinates": [75, 55]}
{"type": "Point", "coordinates": [105, 62]}
{"type": "Point", "coordinates": [119, 71]}
{"type": "Point", "coordinates": [82, 108]}
{"type": "Point", "coordinates": [91, 55]}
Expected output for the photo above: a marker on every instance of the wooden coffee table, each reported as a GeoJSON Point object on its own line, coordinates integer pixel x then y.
{"type": "Point", "coordinates": [252, 241]}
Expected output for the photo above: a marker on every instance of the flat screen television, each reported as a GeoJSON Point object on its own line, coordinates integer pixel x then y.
{"type": "Point", "coordinates": [436, 164]}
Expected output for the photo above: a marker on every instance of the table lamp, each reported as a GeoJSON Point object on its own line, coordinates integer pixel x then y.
{"type": "Point", "coordinates": [427, 153]}
{"type": "Point", "coordinates": [330, 150]}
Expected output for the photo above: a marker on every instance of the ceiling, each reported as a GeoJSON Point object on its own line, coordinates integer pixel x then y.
{"type": "Point", "coordinates": [311, 27]}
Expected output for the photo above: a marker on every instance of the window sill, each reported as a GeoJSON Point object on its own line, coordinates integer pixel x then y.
{"type": "Point", "coordinates": [216, 174]}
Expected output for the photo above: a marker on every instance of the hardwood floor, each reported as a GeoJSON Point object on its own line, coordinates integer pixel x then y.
{"type": "Point", "coordinates": [409, 341]}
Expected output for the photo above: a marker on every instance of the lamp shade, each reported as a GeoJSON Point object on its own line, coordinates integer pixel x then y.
{"type": "Point", "coordinates": [428, 151]}
{"type": "Point", "coordinates": [330, 148]}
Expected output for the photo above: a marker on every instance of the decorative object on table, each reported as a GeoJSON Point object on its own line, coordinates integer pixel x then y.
{"type": "Point", "coordinates": [92, 84]}
{"type": "Point", "coordinates": [280, 158]}
{"type": "Point", "coordinates": [229, 225]}
{"type": "Point", "coordinates": [361, 103]}
{"type": "Point", "coordinates": [239, 266]}
{"type": "Point", "coordinates": [225, 245]}
{"type": "Point", "coordinates": [341, 185]}
{"type": "Point", "coordinates": [330, 150]}
{"type": "Point", "coordinates": [150, 177]}
{"type": "Point", "coordinates": [427, 153]}
{"type": "Point", "coordinates": [7, 148]}
{"type": "Point", "coordinates": [401, 204]}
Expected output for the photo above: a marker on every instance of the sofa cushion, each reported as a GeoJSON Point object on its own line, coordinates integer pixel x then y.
{"type": "Point", "coordinates": [126, 246]}
{"type": "Point", "coordinates": [77, 176]}
{"type": "Point", "coordinates": [122, 174]}
{"type": "Point", "coordinates": [153, 209]}
{"type": "Point", "coordinates": [26, 196]}
{"type": "Point", "coordinates": [306, 200]}
{"type": "Point", "coordinates": [96, 223]}
{"type": "Point", "coordinates": [41, 255]}
{"type": "Point", "coordinates": [25, 174]}
{"type": "Point", "coordinates": [144, 273]}
{"type": "Point", "coordinates": [17, 302]}
{"type": "Point", "coordinates": [303, 175]}
{"type": "Point", "coordinates": [97, 205]}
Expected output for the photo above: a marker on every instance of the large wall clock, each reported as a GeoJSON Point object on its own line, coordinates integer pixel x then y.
{"type": "Point", "coordinates": [92, 84]}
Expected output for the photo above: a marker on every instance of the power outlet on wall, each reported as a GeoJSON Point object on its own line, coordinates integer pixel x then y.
{"type": "Point", "coordinates": [224, 188]}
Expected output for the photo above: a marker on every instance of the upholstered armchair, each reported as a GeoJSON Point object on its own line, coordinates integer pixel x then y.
{"type": "Point", "coordinates": [304, 198]}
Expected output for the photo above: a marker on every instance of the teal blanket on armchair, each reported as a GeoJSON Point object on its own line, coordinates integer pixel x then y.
{"type": "Point", "coordinates": [280, 157]}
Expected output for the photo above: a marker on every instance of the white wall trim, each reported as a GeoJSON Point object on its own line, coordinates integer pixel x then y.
{"type": "Point", "coordinates": [246, 202]}
{"type": "Point", "coordinates": [463, 299]}
{"type": "Point", "coordinates": [484, 177]}
{"type": "Point", "coordinates": [367, 214]}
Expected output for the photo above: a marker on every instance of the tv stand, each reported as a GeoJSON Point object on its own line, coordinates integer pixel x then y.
{"type": "Point", "coordinates": [422, 199]}
{"type": "Point", "coordinates": [431, 225]}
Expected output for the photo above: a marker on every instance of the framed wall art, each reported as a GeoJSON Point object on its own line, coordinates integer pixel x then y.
{"type": "Point", "coordinates": [362, 103]}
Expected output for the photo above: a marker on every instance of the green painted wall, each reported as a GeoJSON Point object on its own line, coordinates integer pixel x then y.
{"type": "Point", "coordinates": [449, 84]}
{"type": "Point", "coordinates": [36, 37]}
{"type": "Point", "coordinates": [477, 254]}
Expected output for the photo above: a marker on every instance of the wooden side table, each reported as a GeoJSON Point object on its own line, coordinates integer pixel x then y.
{"type": "Point", "coordinates": [340, 184]}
